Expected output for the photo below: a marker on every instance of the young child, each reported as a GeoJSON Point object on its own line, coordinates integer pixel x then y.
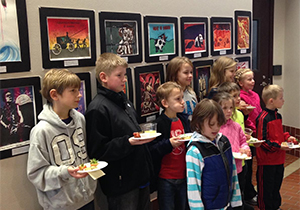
{"type": "Point", "coordinates": [111, 121]}
{"type": "Point", "coordinates": [57, 147]}
{"type": "Point", "coordinates": [180, 70]}
{"type": "Point", "coordinates": [168, 154]}
{"type": "Point", "coordinates": [211, 171]}
{"type": "Point", "coordinates": [245, 79]}
{"type": "Point", "coordinates": [234, 132]}
{"type": "Point", "coordinates": [223, 70]}
{"type": "Point", "coordinates": [271, 154]}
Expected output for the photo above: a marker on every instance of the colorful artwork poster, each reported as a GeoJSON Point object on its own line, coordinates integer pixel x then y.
{"type": "Point", "coordinates": [243, 32]}
{"type": "Point", "coordinates": [222, 36]}
{"type": "Point", "coordinates": [68, 38]}
{"type": "Point", "coordinates": [82, 102]}
{"type": "Point", "coordinates": [194, 37]}
{"type": "Point", "coordinates": [161, 39]}
{"type": "Point", "coordinates": [243, 65]}
{"type": "Point", "coordinates": [121, 37]}
{"type": "Point", "coordinates": [126, 87]}
{"type": "Point", "coordinates": [17, 116]}
{"type": "Point", "coordinates": [202, 75]}
{"type": "Point", "coordinates": [149, 83]}
{"type": "Point", "coordinates": [9, 35]}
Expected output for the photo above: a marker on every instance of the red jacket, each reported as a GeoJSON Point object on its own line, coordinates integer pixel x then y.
{"type": "Point", "coordinates": [269, 128]}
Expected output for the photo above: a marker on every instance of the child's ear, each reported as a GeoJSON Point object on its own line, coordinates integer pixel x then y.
{"type": "Point", "coordinates": [54, 94]}
{"type": "Point", "coordinates": [164, 103]}
{"type": "Point", "coordinates": [103, 77]}
{"type": "Point", "coordinates": [240, 84]}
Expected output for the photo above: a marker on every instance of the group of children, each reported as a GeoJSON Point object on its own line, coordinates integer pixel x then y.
{"type": "Point", "coordinates": [199, 174]}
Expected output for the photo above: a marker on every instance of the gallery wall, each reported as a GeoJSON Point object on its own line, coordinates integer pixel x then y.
{"type": "Point", "coordinates": [16, 191]}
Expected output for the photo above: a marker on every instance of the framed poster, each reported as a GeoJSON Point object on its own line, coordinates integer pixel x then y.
{"type": "Point", "coordinates": [20, 104]}
{"type": "Point", "coordinates": [85, 91]}
{"type": "Point", "coordinates": [242, 32]}
{"type": "Point", "coordinates": [243, 63]}
{"type": "Point", "coordinates": [120, 33]}
{"type": "Point", "coordinates": [128, 85]}
{"type": "Point", "coordinates": [161, 38]}
{"type": "Point", "coordinates": [147, 80]}
{"type": "Point", "coordinates": [14, 42]}
{"type": "Point", "coordinates": [194, 37]}
{"type": "Point", "coordinates": [201, 77]}
{"type": "Point", "coordinates": [221, 36]}
{"type": "Point", "coordinates": [68, 37]}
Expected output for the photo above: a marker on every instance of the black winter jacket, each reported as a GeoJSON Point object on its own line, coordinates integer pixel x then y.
{"type": "Point", "coordinates": [110, 121]}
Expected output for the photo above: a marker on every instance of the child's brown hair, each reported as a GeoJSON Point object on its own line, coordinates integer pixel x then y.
{"type": "Point", "coordinates": [224, 96]}
{"type": "Point", "coordinates": [164, 91]}
{"type": "Point", "coordinates": [58, 79]}
{"type": "Point", "coordinates": [206, 109]}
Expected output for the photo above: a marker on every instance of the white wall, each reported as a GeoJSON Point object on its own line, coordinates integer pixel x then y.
{"type": "Point", "coordinates": [16, 192]}
{"type": "Point", "coordinates": [287, 54]}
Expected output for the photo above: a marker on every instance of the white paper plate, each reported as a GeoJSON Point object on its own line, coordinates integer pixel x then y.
{"type": "Point", "coordinates": [256, 141]}
{"type": "Point", "coordinates": [250, 107]}
{"type": "Point", "coordinates": [101, 164]}
{"type": "Point", "coordinates": [238, 155]}
{"type": "Point", "coordinates": [145, 136]}
{"type": "Point", "coordinates": [295, 146]}
{"type": "Point", "coordinates": [188, 136]}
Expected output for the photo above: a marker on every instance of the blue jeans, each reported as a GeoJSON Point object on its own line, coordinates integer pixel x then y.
{"type": "Point", "coordinates": [172, 194]}
{"type": "Point", "coordinates": [137, 199]}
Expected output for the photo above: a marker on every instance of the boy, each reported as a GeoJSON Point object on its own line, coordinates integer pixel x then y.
{"type": "Point", "coordinates": [57, 147]}
{"type": "Point", "coordinates": [111, 121]}
{"type": "Point", "coordinates": [168, 154]}
{"type": "Point", "coordinates": [271, 154]}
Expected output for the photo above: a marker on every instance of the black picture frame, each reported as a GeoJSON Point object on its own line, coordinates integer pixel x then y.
{"type": "Point", "coordinates": [163, 34]}
{"type": "Point", "coordinates": [23, 112]}
{"type": "Point", "coordinates": [76, 49]}
{"type": "Point", "coordinates": [130, 50]}
{"type": "Point", "coordinates": [194, 37]}
{"type": "Point", "coordinates": [221, 26]}
{"type": "Point", "coordinates": [243, 62]}
{"type": "Point", "coordinates": [201, 75]}
{"type": "Point", "coordinates": [128, 85]}
{"type": "Point", "coordinates": [243, 27]}
{"type": "Point", "coordinates": [147, 80]}
{"type": "Point", "coordinates": [9, 63]}
{"type": "Point", "coordinates": [85, 89]}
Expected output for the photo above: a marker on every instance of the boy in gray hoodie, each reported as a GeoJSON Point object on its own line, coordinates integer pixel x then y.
{"type": "Point", "coordinates": [57, 147]}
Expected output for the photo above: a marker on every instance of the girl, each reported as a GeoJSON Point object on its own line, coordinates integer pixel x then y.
{"type": "Point", "coordinates": [180, 70]}
{"type": "Point", "coordinates": [234, 132]}
{"type": "Point", "coordinates": [223, 70]}
{"type": "Point", "coordinates": [245, 79]}
{"type": "Point", "coordinates": [211, 170]}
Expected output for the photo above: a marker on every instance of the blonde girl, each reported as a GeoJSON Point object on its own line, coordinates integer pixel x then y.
{"type": "Point", "coordinates": [223, 70]}
{"type": "Point", "coordinates": [180, 70]}
{"type": "Point", "coordinates": [211, 171]}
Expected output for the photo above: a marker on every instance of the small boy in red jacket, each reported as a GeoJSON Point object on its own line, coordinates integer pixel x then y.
{"type": "Point", "coordinates": [271, 154]}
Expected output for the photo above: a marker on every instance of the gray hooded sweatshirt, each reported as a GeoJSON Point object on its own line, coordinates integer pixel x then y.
{"type": "Point", "coordinates": [54, 146]}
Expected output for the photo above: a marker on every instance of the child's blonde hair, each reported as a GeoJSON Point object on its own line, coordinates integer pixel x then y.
{"type": "Point", "coordinates": [218, 71]}
{"type": "Point", "coordinates": [224, 96]}
{"type": "Point", "coordinates": [271, 91]}
{"type": "Point", "coordinates": [240, 74]}
{"type": "Point", "coordinates": [58, 79]}
{"type": "Point", "coordinates": [164, 91]}
{"type": "Point", "coordinates": [107, 62]}
{"type": "Point", "coordinates": [206, 109]}
{"type": "Point", "coordinates": [174, 67]}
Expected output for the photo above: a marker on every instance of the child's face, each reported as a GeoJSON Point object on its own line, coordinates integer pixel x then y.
{"type": "Point", "coordinates": [175, 103]}
{"type": "Point", "coordinates": [69, 98]}
{"type": "Point", "coordinates": [185, 75]}
{"type": "Point", "coordinates": [247, 83]}
{"type": "Point", "coordinates": [229, 74]}
{"type": "Point", "coordinates": [116, 80]}
{"type": "Point", "coordinates": [279, 101]}
{"type": "Point", "coordinates": [227, 108]}
{"type": "Point", "coordinates": [211, 128]}
{"type": "Point", "coordinates": [236, 95]}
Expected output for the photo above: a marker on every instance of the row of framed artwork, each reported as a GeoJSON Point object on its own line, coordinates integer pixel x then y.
{"type": "Point", "coordinates": [68, 37]}
{"type": "Point", "coordinates": [21, 102]}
